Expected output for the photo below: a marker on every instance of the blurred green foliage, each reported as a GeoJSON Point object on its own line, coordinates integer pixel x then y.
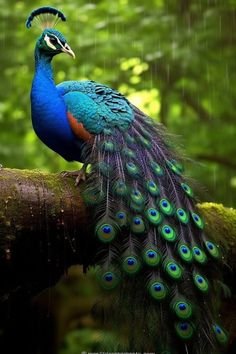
{"type": "Point", "coordinates": [175, 59]}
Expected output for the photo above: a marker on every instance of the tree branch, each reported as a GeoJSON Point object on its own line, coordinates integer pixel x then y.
{"type": "Point", "coordinates": [169, 78]}
{"type": "Point", "coordinates": [196, 106]}
{"type": "Point", "coordinates": [44, 227]}
{"type": "Point", "coordinates": [217, 159]}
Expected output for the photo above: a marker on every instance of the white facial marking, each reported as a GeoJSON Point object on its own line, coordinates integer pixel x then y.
{"type": "Point", "coordinates": [49, 44]}
{"type": "Point", "coordinates": [64, 47]}
{"type": "Point", "coordinates": [58, 40]}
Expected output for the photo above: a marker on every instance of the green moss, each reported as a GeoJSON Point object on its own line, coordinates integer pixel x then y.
{"type": "Point", "coordinates": [52, 181]}
{"type": "Point", "coordinates": [220, 224]}
{"type": "Point", "coordinates": [55, 183]}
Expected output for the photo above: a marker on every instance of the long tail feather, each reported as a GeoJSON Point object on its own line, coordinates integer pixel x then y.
{"type": "Point", "coordinates": [153, 244]}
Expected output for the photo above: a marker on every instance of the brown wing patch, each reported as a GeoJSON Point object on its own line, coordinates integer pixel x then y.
{"type": "Point", "coordinates": [78, 128]}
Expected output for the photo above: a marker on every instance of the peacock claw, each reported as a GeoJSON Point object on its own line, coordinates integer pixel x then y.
{"type": "Point", "coordinates": [80, 175]}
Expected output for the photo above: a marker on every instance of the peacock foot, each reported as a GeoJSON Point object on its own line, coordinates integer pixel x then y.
{"type": "Point", "coordinates": [79, 175]}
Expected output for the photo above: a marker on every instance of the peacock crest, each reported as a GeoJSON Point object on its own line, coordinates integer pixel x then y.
{"type": "Point", "coordinates": [45, 17]}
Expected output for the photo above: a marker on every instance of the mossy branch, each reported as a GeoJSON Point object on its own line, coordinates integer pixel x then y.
{"type": "Point", "coordinates": [44, 227]}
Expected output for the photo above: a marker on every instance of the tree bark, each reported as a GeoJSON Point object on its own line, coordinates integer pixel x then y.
{"type": "Point", "coordinates": [44, 229]}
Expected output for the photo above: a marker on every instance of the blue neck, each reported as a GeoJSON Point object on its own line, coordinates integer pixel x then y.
{"type": "Point", "coordinates": [49, 115]}
{"type": "Point", "coordinates": [43, 63]}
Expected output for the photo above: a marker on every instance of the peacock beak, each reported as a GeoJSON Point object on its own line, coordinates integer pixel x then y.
{"type": "Point", "coordinates": [66, 49]}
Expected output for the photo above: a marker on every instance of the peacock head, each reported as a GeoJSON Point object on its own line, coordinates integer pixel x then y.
{"type": "Point", "coordinates": [51, 41]}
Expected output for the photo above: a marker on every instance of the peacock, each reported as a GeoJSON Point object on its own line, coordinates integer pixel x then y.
{"type": "Point", "coordinates": [153, 252]}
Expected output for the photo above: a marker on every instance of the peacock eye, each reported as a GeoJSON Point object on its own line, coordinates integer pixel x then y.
{"type": "Point", "coordinates": [53, 40]}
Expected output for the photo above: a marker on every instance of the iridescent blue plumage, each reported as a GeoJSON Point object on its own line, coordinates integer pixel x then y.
{"type": "Point", "coordinates": [49, 115]}
{"type": "Point", "coordinates": [152, 240]}
{"type": "Point", "coordinates": [95, 105]}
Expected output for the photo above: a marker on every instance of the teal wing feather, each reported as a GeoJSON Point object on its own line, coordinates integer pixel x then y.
{"type": "Point", "coordinates": [95, 105]}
